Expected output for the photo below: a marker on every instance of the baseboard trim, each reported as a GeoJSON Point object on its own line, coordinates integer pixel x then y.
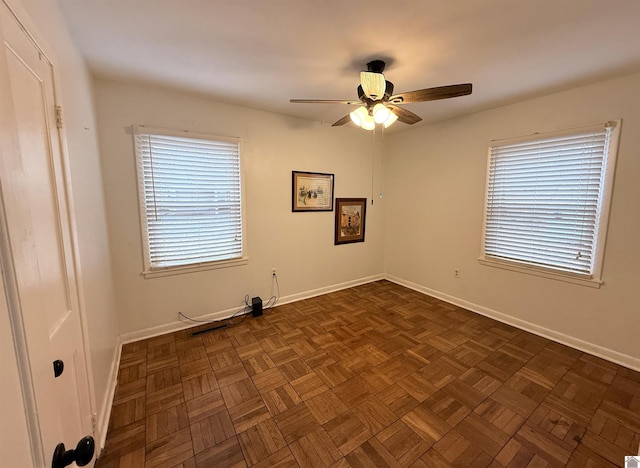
{"type": "Point", "coordinates": [596, 350]}
{"type": "Point", "coordinates": [329, 289]}
{"type": "Point", "coordinates": [107, 402]}
{"type": "Point", "coordinates": [225, 314]}
{"type": "Point", "coordinates": [175, 326]}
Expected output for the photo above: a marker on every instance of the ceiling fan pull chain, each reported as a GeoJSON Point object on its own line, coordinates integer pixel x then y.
{"type": "Point", "coordinates": [373, 162]}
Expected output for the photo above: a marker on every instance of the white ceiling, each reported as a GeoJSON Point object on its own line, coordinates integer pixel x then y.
{"type": "Point", "coordinates": [260, 53]}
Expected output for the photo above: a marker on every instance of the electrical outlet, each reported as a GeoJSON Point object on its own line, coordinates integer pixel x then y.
{"type": "Point", "coordinates": [273, 272]}
{"type": "Point", "coordinates": [456, 273]}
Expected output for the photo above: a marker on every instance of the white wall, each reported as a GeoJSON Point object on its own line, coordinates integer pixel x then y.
{"type": "Point", "coordinates": [435, 195]}
{"type": "Point", "coordinates": [299, 245]}
{"type": "Point", "coordinates": [97, 297]}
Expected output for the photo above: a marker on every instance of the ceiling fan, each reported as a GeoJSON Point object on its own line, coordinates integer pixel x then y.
{"type": "Point", "coordinates": [379, 105]}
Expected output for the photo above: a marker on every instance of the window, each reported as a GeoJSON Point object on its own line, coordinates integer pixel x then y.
{"type": "Point", "coordinates": [190, 199]}
{"type": "Point", "coordinates": [547, 201]}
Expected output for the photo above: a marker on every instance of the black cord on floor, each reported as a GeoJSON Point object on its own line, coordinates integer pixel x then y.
{"type": "Point", "coordinates": [242, 313]}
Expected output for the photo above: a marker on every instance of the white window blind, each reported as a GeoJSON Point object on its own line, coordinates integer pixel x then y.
{"type": "Point", "coordinates": [544, 200]}
{"type": "Point", "coordinates": [190, 196]}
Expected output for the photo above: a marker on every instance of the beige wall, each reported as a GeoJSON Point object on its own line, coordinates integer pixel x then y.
{"type": "Point", "coordinates": [299, 245]}
{"type": "Point", "coordinates": [45, 22]}
{"type": "Point", "coordinates": [435, 195]}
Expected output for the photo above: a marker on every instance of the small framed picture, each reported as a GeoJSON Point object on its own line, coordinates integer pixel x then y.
{"type": "Point", "coordinates": [350, 220]}
{"type": "Point", "coordinates": [311, 191]}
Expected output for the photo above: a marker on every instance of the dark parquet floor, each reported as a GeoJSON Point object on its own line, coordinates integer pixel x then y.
{"type": "Point", "coordinates": [376, 375]}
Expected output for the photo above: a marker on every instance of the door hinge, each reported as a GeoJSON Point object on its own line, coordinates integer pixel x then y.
{"type": "Point", "coordinates": [58, 117]}
{"type": "Point", "coordinates": [94, 424]}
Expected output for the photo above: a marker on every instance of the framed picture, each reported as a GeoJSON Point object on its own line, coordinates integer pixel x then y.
{"type": "Point", "coordinates": [350, 220]}
{"type": "Point", "coordinates": [311, 191]}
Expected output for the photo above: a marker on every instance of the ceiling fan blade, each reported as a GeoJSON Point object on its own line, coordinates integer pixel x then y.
{"type": "Point", "coordinates": [432, 94]}
{"type": "Point", "coordinates": [404, 115]}
{"type": "Point", "coordinates": [342, 121]}
{"type": "Point", "coordinates": [326, 101]}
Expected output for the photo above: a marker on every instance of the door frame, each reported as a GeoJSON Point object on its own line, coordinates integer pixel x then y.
{"type": "Point", "coordinates": [10, 293]}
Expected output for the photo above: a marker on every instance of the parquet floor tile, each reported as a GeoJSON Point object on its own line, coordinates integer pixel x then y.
{"type": "Point", "coordinates": [296, 422]}
{"type": "Point", "coordinates": [376, 375]}
{"type": "Point", "coordinates": [281, 399]}
{"type": "Point", "coordinates": [326, 406]}
{"type": "Point", "coordinates": [316, 449]}
{"type": "Point", "coordinates": [447, 407]}
{"type": "Point", "coordinates": [211, 431]}
{"type": "Point", "coordinates": [374, 414]}
{"type": "Point", "coordinates": [347, 432]}
{"type": "Point", "coordinates": [227, 454]}
{"type": "Point", "coordinates": [371, 454]}
{"type": "Point", "coordinates": [199, 385]}
{"type": "Point", "coordinates": [132, 370]}
{"type": "Point", "coordinates": [260, 441]}
{"type": "Point", "coordinates": [166, 422]}
{"type": "Point", "coordinates": [545, 445]}
{"type": "Point", "coordinates": [333, 374]}
{"type": "Point", "coordinates": [460, 450]}
{"type": "Point", "coordinates": [402, 442]}
{"type": "Point", "coordinates": [205, 406]}
{"type": "Point", "coordinates": [169, 450]}
{"type": "Point", "coordinates": [248, 413]}
{"type": "Point", "coordinates": [283, 458]}
{"type": "Point", "coordinates": [398, 400]}
{"type": "Point", "coordinates": [195, 367]}
{"type": "Point", "coordinates": [352, 392]}
{"type": "Point", "coordinates": [418, 384]}
{"type": "Point", "coordinates": [239, 392]}
{"type": "Point", "coordinates": [127, 412]}
{"type": "Point", "coordinates": [431, 459]}
{"type": "Point", "coordinates": [426, 424]}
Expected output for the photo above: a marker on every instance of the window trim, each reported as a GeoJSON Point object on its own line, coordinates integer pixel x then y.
{"type": "Point", "coordinates": [595, 279]}
{"type": "Point", "coordinates": [152, 272]}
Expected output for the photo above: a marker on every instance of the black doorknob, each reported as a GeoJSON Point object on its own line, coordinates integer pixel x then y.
{"type": "Point", "coordinates": [82, 454]}
{"type": "Point", "coordinates": [58, 367]}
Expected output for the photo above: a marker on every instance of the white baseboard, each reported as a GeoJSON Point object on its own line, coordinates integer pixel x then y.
{"type": "Point", "coordinates": [175, 326]}
{"type": "Point", "coordinates": [224, 314]}
{"type": "Point", "coordinates": [107, 402]}
{"type": "Point", "coordinates": [329, 289]}
{"type": "Point", "coordinates": [600, 351]}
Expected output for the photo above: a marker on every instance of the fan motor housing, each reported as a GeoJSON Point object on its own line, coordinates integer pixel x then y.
{"type": "Point", "coordinates": [388, 91]}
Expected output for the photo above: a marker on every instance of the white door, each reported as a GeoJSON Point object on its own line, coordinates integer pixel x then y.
{"type": "Point", "coordinates": [37, 254]}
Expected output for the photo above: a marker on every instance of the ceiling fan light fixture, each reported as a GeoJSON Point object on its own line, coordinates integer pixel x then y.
{"type": "Point", "coordinates": [373, 84]}
{"type": "Point", "coordinates": [392, 118]}
{"type": "Point", "coordinates": [368, 123]}
{"type": "Point", "coordinates": [358, 115]}
{"type": "Point", "coordinates": [362, 119]}
{"type": "Point", "coordinates": [381, 113]}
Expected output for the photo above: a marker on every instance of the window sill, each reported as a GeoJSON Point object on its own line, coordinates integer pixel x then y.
{"type": "Point", "coordinates": [179, 270]}
{"type": "Point", "coordinates": [567, 278]}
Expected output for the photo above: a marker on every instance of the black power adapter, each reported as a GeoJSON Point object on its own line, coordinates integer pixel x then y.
{"type": "Point", "coordinates": [256, 306]}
